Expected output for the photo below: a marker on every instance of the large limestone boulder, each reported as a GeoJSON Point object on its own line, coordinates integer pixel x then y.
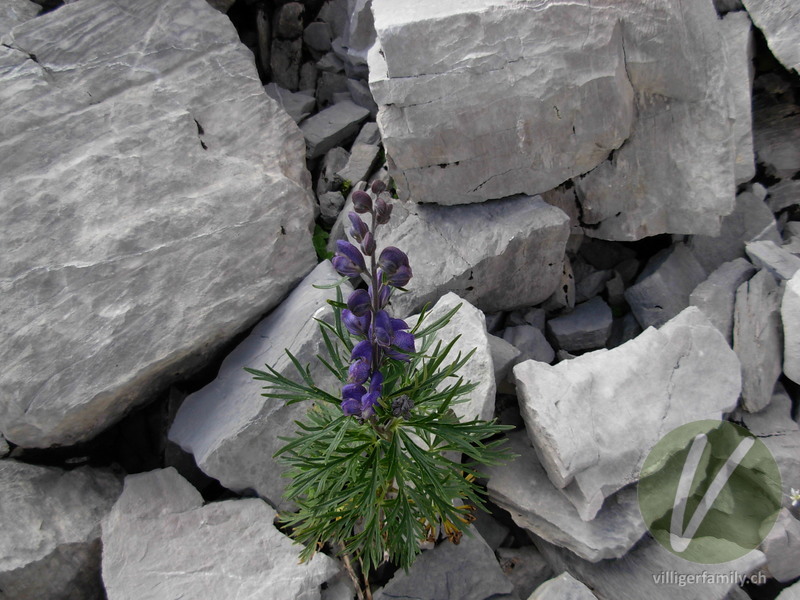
{"type": "Point", "coordinates": [442, 72]}
{"type": "Point", "coordinates": [14, 12]}
{"type": "Point", "coordinates": [685, 371]}
{"type": "Point", "coordinates": [779, 21]}
{"type": "Point", "coordinates": [50, 519]}
{"type": "Point", "coordinates": [229, 427]}
{"type": "Point", "coordinates": [155, 202]}
{"type": "Point", "coordinates": [160, 542]}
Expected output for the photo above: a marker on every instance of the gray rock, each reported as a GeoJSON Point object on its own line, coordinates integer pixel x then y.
{"type": "Point", "coordinates": [530, 316]}
{"type": "Point", "coordinates": [790, 316]}
{"type": "Point", "coordinates": [530, 342]}
{"type": "Point", "coordinates": [468, 571]}
{"type": "Point", "coordinates": [308, 77]}
{"type": "Point", "coordinates": [563, 587]}
{"type": "Point", "coordinates": [784, 195]}
{"type": "Point", "coordinates": [159, 537]}
{"type": "Point", "coordinates": [641, 390]}
{"type": "Point", "coordinates": [662, 290]}
{"type": "Point", "coordinates": [332, 127]}
{"type": "Point", "coordinates": [525, 567]}
{"type": "Point", "coordinates": [155, 193]}
{"type": "Point", "coordinates": [298, 104]}
{"type": "Point", "coordinates": [16, 12]}
{"type": "Point", "coordinates": [716, 295]}
{"type": "Point", "coordinates": [585, 328]}
{"type": "Point", "coordinates": [615, 291]}
{"type": "Point", "coordinates": [233, 430]}
{"type": "Point", "coordinates": [369, 134]}
{"type": "Point", "coordinates": [782, 548]}
{"type": "Point", "coordinates": [362, 96]}
{"type": "Point", "coordinates": [589, 282]}
{"type": "Point", "coordinates": [768, 255]}
{"type": "Point", "coordinates": [332, 87]}
{"type": "Point", "coordinates": [515, 262]}
{"type": "Point", "coordinates": [330, 63]}
{"type": "Point", "coordinates": [492, 531]}
{"type": "Point", "coordinates": [317, 36]}
{"type": "Point", "coordinates": [50, 547]}
{"type": "Point", "coordinates": [4, 449]}
{"type": "Point", "coordinates": [752, 220]}
{"type": "Point", "coordinates": [289, 21]}
{"type": "Point", "coordinates": [504, 356]}
{"type": "Point", "coordinates": [684, 105]}
{"type": "Point", "coordinates": [636, 575]}
{"type": "Point", "coordinates": [775, 419]}
{"type": "Point", "coordinates": [330, 205]}
{"type": "Point", "coordinates": [285, 59]}
{"type": "Point", "coordinates": [779, 21]}
{"type": "Point", "coordinates": [623, 330]}
{"type": "Point", "coordinates": [790, 593]}
{"type": "Point", "coordinates": [362, 162]}
{"type": "Point", "coordinates": [757, 338]}
{"type": "Point", "coordinates": [453, 132]}
{"type": "Point", "coordinates": [470, 324]}
{"type": "Point", "coordinates": [738, 44]}
{"type": "Point", "coordinates": [333, 162]}
{"type": "Point", "coordinates": [563, 297]}
{"type": "Point", "coordinates": [603, 255]}
{"type": "Point", "coordinates": [524, 490]}
{"type": "Point", "coordinates": [776, 136]}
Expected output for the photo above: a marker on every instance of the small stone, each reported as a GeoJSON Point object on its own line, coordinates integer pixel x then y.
{"type": "Point", "coordinates": [783, 195]}
{"type": "Point", "coordinates": [782, 548]}
{"type": "Point", "coordinates": [289, 21]}
{"type": "Point", "coordinates": [768, 255]}
{"type": "Point", "coordinates": [589, 282]}
{"type": "Point", "coordinates": [691, 374]}
{"type": "Point", "coordinates": [330, 205]}
{"type": "Point", "coordinates": [50, 519]}
{"type": "Point", "coordinates": [504, 356]}
{"type": "Point", "coordinates": [332, 87]}
{"type": "Point", "coordinates": [757, 338]}
{"type": "Point", "coordinates": [159, 536]}
{"type": "Point", "coordinates": [524, 490]}
{"type": "Point", "coordinates": [467, 571]}
{"type": "Point", "coordinates": [308, 78]}
{"type": "Point", "coordinates": [331, 127]}
{"type": "Point", "coordinates": [362, 161]}
{"type": "Point", "coordinates": [362, 96]}
{"type": "Point", "coordinates": [623, 330]}
{"type": "Point", "coordinates": [369, 134]}
{"type": "Point", "coordinates": [525, 567]}
{"type": "Point", "coordinates": [615, 291]}
{"type": "Point", "coordinates": [285, 59]}
{"type": "Point", "coordinates": [662, 290]}
{"type": "Point", "coordinates": [779, 21]}
{"type": "Point", "coordinates": [716, 295]}
{"type": "Point", "coordinates": [298, 104]}
{"type": "Point", "coordinates": [334, 161]}
{"type": "Point", "coordinates": [492, 531]}
{"type": "Point", "coordinates": [317, 36]}
{"type": "Point", "coordinates": [790, 316]}
{"type": "Point", "coordinates": [563, 587]}
{"type": "Point", "coordinates": [531, 343]}
{"type": "Point", "coordinates": [585, 328]}
{"type": "Point", "coordinates": [330, 63]}
{"type": "Point", "coordinates": [790, 593]}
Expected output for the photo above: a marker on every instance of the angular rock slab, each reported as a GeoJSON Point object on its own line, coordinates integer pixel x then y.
{"type": "Point", "coordinates": [782, 548]}
{"type": "Point", "coordinates": [452, 130]}
{"type": "Point", "coordinates": [779, 21]}
{"type": "Point", "coordinates": [523, 489]}
{"type": "Point", "coordinates": [790, 315]}
{"type": "Point", "coordinates": [776, 136]}
{"type": "Point", "coordinates": [790, 593]}
{"type": "Point", "coordinates": [50, 519]}
{"type": "Point", "coordinates": [563, 587]}
{"type": "Point", "coordinates": [768, 255]}
{"type": "Point", "coordinates": [497, 255]}
{"type": "Point", "coordinates": [758, 338]}
{"type": "Point", "coordinates": [155, 202]}
{"type": "Point", "coordinates": [635, 576]}
{"type": "Point", "coordinates": [639, 391]}
{"type": "Point", "coordinates": [160, 543]}
{"type": "Point", "coordinates": [676, 171]}
{"type": "Point", "coordinates": [232, 429]}
{"type": "Point", "coordinates": [468, 571]}
{"type": "Point", "coordinates": [716, 296]}
{"type": "Point", "coordinates": [470, 324]}
{"type": "Point", "coordinates": [585, 328]}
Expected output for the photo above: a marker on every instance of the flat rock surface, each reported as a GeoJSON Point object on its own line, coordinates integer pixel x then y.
{"type": "Point", "coordinates": [585, 328]}
{"type": "Point", "coordinates": [790, 316]}
{"type": "Point", "coordinates": [515, 262]}
{"type": "Point", "coordinates": [640, 390]}
{"type": "Point", "coordinates": [768, 255]}
{"type": "Point", "coordinates": [15, 12]}
{"type": "Point", "coordinates": [159, 538]}
{"type": "Point", "coordinates": [155, 203]}
{"type": "Point", "coordinates": [468, 571]}
{"type": "Point", "coordinates": [758, 338]}
{"type": "Point", "coordinates": [737, 38]}
{"type": "Point", "coordinates": [563, 587]}
{"type": "Point", "coordinates": [716, 296]}
{"type": "Point", "coordinates": [50, 519]}
{"type": "Point", "coordinates": [332, 127]}
{"type": "Point", "coordinates": [233, 430]}
{"type": "Point", "coordinates": [523, 489]}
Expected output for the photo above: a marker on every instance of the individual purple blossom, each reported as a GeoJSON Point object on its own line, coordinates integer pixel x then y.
{"type": "Point", "coordinates": [383, 211]}
{"type": "Point", "coordinates": [358, 228]}
{"type": "Point", "coordinates": [384, 293]}
{"type": "Point", "coordinates": [378, 186]}
{"type": "Point", "coordinates": [403, 344]}
{"type": "Point", "coordinates": [382, 329]}
{"type": "Point", "coordinates": [351, 399]}
{"type": "Point", "coordinates": [359, 302]}
{"type": "Point", "coordinates": [362, 202]}
{"type": "Point", "coordinates": [370, 399]}
{"type": "Point", "coordinates": [348, 260]}
{"type": "Point", "coordinates": [356, 325]}
{"type": "Point", "coordinates": [358, 371]}
{"type": "Point", "coordinates": [391, 259]}
{"type": "Point", "coordinates": [368, 244]}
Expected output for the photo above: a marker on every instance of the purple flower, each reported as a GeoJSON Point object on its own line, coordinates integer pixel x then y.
{"type": "Point", "coordinates": [362, 351]}
{"type": "Point", "coordinates": [351, 399]}
{"type": "Point", "coordinates": [358, 228]}
{"type": "Point", "coordinates": [400, 277]}
{"type": "Point", "coordinates": [370, 399]}
{"type": "Point", "coordinates": [378, 186]}
{"type": "Point", "coordinates": [383, 294]}
{"type": "Point", "coordinates": [356, 325]}
{"type": "Point", "coordinates": [383, 211]}
{"type": "Point", "coordinates": [368, 244]}
{"type": "Point", "coordinates": [358, 371]}
{"type": "Point", "coordinates": [403, 344]}
{"type": "Point", "coordinates": [348, 260]}
{"type": "Point", "coordinates": [359, 302]}
{"type": "Point", "coordinates": [382, 329]}
{"type": "Point", "coordinates": [362, 203]}
{"type": "Point", "coordinates": [391, 259]}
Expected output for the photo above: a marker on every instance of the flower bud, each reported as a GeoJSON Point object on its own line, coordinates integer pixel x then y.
{"type": "Point", "coordinates": [383, 211]}
{"type": "Point", "coordinates": [368, 244]}
{"type": "Point", "coordinates": [359, 229]}
{"type": "Point", "coordinates": [362, 202]}
{"type": "Point", "coordinates": [391, 259]}
{"type": "Point", "coordinates": [348, 260]}
{"type": "Point", "coordinates": [378, 186]}
{"type": "Point", "coordinates": [359, 302]}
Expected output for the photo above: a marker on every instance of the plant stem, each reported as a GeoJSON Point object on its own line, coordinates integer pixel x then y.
{"type": "Point", "coordinates": [365, 575]}
{"type": "Point", "coordinates": [353, 577]}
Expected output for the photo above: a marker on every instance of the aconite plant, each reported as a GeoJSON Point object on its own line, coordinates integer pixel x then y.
{"type": "Point", "coordinates": [375, 471]}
